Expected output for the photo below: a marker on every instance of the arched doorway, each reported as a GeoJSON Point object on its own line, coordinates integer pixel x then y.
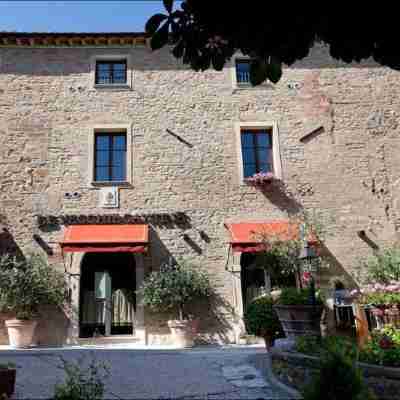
{"type": "Point", "coordinates": [107, 294]}
{"type": "Point", "coordinates": [257, 281]}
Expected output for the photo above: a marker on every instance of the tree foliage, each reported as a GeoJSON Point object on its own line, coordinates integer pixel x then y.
{"type": "Point", "coordinates": [338, 378]}
{"type": "Point", "coordinates": [384, 266]}
{"type": "Point", "coordinates": [173, 287]}
{"type": "Point", "coordinates": [27, 284]}
{"type": "Point", "coordinates": [261, 318]}
{"type": "Point", "coordinates": [282, 254]}
{"type": "Point", "coordinates": [209, 32]}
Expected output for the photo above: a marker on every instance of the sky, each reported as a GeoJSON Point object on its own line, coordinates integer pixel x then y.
{"type": "Point", "coordinates": [77, 16]}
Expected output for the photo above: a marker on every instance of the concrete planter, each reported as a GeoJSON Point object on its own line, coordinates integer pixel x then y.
{"type": "Point", "coordinates": [299, 320]}
{"type": "Point", "coordinates": [7, 381]}
{"type": "Point", "coordinates": [181, 333]}
{"type": "Point", "coordinates": [20, 332]}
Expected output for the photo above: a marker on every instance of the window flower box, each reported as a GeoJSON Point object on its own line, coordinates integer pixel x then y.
{"type": "Point", "coordinates": [261, 179]}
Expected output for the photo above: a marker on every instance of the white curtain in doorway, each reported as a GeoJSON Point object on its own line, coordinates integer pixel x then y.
{"type": "Point", "coordinates": [122, 308]}
{"type": "Point", "coordinates": [93, 311]}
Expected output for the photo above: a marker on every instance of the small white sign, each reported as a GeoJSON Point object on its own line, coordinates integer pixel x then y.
{"type": "Point", "coordinates": [109, 197]}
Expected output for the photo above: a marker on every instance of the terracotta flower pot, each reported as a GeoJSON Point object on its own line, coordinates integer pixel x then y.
{"type": "Point", "coordinates": [182, 333]}
{"type": "Point", "coordinates": [7, 381]}
{"type": "Point", "coordinates": [195, 326]}
{"type": "Point", "coordinates": [20, 332]}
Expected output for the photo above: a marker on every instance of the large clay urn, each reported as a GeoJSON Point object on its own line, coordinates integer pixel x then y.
{"type": "Point", "coordinates": [20, 332]}
{"type": "Point", "coordinates": [299, 320]}
{"type": "Point", "coordinates": [181, 333]}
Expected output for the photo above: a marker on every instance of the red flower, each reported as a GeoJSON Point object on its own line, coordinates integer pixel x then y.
{"type": "Point", "coordinates": [386, 343]}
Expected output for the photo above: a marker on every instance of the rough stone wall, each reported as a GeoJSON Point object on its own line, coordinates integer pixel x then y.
{"type": "Point", "coordinates": [347, 170]}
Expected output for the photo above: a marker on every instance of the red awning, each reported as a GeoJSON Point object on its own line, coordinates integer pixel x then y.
{"type": "Point", "coordinates": [246, 237]}
{"type": "Point", "coordinates": [105, 238]}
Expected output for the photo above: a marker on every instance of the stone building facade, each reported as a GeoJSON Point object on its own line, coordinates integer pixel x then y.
{"type": "Point", "coordinates": [335, 146]}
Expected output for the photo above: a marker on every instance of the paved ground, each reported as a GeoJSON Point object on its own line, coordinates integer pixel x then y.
{"type": "Point", "coordinates": [201, 373]}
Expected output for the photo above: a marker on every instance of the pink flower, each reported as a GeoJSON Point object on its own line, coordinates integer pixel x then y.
{"type": "Point", "coordinates": [261, 177]}
{"type": "Point", "coordinates": [306, 276]}
{"type": "Point", "coordinates": [379, 286]}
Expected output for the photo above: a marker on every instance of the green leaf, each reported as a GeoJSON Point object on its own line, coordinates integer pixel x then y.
{"type": "Point", "coordinates": [274, 70]}
{"type": "Point", "coordinates": [168, 4]}
{"type": "Point", "coordinates": [178, 49]}
{"type": "Point", "coordinates": [205, 62]}
{"type": "Point", "coordinates": [154, 22]}
{"type": "Point", "coordinates": [160, 38]}
{"type": "Point", "coordinates": [218, 61]}
{"type": "Point", "coordinates": [258, 71]}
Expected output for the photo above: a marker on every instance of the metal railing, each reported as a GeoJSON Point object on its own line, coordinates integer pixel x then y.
{"type": "Point", "coordinates": [243, 77]}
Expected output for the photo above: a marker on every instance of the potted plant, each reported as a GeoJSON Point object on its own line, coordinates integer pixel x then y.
{"type": "Point", "coordinates": [7, 379]}
{"type": "Point", "coordinates": [381, 302]}
{"type": "Point", "coordinates": [299, 311]}
{"type": "Point", "coordinates": [261, 320]}
{"type": "Point", "coordinates": [261, 179]}
{"type": "Point", "coordinates": [379, 294]}
{"type": "Point", "coordinates": [173, 288]}
{"type": "Point", "coordinates": [25, 285]}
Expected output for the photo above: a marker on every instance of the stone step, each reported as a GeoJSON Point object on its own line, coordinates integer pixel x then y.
{"type": "Point", "coordinates": [114, 339]}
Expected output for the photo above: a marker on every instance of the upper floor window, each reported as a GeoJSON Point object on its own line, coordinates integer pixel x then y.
{"type": "Point", "coordinates": [242, 71]}
{"type": "Point", "coordinates": [257, 152]}
{"type": "Point", "coordinates": [111, 72]}
{"type": "Point", "coordinates": [110, 157]}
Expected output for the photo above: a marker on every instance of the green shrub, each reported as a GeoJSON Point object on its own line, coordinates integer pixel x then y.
{"type": "Point", "coordinates": [380, 298]}
{"type": "Point", "coordinates": [27, 284]}
{"type": "Point", "coordinates": [383, 267]}
{"type": "Point", "coordinates": [82, 383]}
{"type": "Point", "coordinates": [262, 320]}
{"type": "Point", "coordinates": [292, 296]}
{"type": "Point", "coordinates": [174, 287]}
{"type": "Point", "coordinates": [317, 346]}
{"type": "Point", "coordinates": [383, 348]}
{"type": "Point", "coordinates": [338, 378]}
{"type": "Point", "coordinates": [308, 344]}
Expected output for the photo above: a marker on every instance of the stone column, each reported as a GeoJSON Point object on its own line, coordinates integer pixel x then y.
{"type": "Point", "coordinates": [140, 329]}
{"type": "Point", "coordinates": [73, 267]}
{"type": "Point", "coordinates": [235, 269]}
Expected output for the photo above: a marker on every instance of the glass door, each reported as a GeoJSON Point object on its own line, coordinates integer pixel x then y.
{"type": "Point", "coordinates": [103, 299]}
{"type": "Point", "coordinates": [107, 295]}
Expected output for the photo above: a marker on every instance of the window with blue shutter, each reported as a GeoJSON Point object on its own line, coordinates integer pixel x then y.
{"type": "Point", "coordinates": [110, 157]}
{"type": "Point", "coordinates": [256, 151]}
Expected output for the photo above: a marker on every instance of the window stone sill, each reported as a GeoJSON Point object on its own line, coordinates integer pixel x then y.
{"type": "Point", "coordinates": [111, 183]}
{"type": "Point", "coordinates": [112, 86]}
{"type": "Point", "coordinates": [243, 87]}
